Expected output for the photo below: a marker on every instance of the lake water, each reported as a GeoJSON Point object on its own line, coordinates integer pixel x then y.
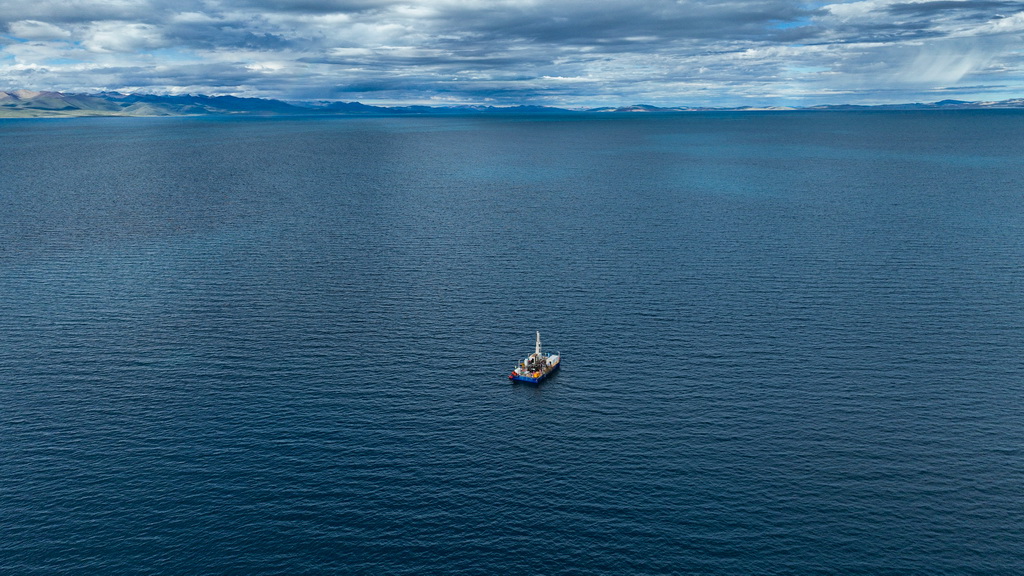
{"type": "Point", "coordinates": [792, 343]}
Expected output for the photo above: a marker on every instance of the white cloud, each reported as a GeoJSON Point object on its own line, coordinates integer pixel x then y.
{"type": "Point", "coordinates": [853, 10]}
{"type": "Point", "coordinates": [192, 18]}
{"type": "Point", "coordinates": [1012, 24]}
{"type": "Point", "coordinates": [35, 30]}
{"type": "Point", "coordinates": [122, 37]}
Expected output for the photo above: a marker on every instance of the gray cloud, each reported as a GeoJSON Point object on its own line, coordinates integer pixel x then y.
{"type": "Point", "coordinates": [64, 12]}
{"type": "Point", "coordinates": [570, 52]}
{"type": "Point", "coordinates": [981, 8]}
{"type": "Point", "coordinates": [314, 6]}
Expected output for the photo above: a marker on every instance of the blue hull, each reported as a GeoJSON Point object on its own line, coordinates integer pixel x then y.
{"type": "Point", "coordinates": [521, 378]}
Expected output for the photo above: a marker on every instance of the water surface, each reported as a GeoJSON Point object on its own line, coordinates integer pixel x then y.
{"type": "Point", "coordinates": [793, 343]}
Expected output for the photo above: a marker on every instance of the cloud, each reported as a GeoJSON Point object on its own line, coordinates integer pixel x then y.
{"type": "Point", "coordinates": [77, 11]}
{"type": "Point", "coordinates": [35, 30]}
{"type": "Point", "coordinates": [122, 37]}
{"type": "Point", "coordinates": [932, 9]}
{"type": "Point", "coordinates": [517, 51]}
{"type": "Point", "coordinates": [314, 6]}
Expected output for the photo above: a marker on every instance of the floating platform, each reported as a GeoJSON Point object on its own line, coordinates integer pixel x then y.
{"type": "Point", "coordinates": [536, 366]}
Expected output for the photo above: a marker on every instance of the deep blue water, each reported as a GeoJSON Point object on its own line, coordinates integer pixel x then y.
{"type": "Point", "coordinates": [793, 343]}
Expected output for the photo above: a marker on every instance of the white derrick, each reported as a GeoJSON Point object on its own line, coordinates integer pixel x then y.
{"type": "Point", "coordinates": [535, 366]}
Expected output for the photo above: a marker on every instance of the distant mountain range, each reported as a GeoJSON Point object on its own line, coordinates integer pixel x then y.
{"type": "Point", "coordinates": [30, 104]}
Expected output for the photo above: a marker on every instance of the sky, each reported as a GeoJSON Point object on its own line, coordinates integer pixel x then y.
{"type": "Point", "coordinates": [570, 53]}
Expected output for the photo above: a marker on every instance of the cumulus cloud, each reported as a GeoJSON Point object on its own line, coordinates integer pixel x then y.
{"type": "Point", "coordinates": [564, 52]}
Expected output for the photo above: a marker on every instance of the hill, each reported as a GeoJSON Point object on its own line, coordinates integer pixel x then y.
{"type": "Point", "coordinates": [31, 104]}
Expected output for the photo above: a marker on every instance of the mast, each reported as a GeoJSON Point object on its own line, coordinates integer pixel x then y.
{"type": "Point", "coordinates": [537, 351]}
